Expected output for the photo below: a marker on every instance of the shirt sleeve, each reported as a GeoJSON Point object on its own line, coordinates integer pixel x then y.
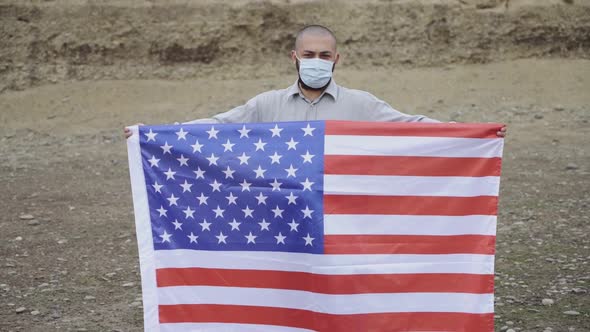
{"type": "Point", "coordinates": [382, 111]}
{"type": "Point", "coordinates": [241, 114]}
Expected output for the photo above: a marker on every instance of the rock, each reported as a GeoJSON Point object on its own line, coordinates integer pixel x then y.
{"type": "Point", "coordinates": [547, 302]}
{"type": "Point", "coordinates": [20, 310]}
{"type": "Point", "coordinates": [33, 223]}
{"type": "Point", "coordinates": [26, 217]}
{"type": "Point", "coordinates": [89, 297]}
{"type": "Point", "coordinates": [62, 241]}
{"type": "Point", "coordinates": [511, 330]}
{"type": "Point", "coordinates": [571, 167]}
{"type": "Point", "coordinates": [558, 108]}
{"type": "Point", "coordinates": [18, 238]}
{"type": "Point", "coordinates": [571, 313]}
{"type": "Point", "coordinates": [128, 284]}
{"type": "Point", "coordinates": [35, 312]}
{"type": "Point", "coordinates": [538, 116]}
{"type": "Point", "coordinates": [135, 304]}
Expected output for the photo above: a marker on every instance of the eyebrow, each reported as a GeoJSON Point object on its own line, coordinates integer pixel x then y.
{"type": "Point", "coordinates": [321, 52]}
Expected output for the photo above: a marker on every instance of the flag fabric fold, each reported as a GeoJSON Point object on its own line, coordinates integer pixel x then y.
{"type": "Point", "coordinates": [316, 226]}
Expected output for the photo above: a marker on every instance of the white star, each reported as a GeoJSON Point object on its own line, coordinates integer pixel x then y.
{"type": "Point", "coordinates": [276, 131]}
{"type": "Point", "coordinates": [245, 185]}
{"type": "Point", "coordinates": [218, 212]}
{"type": "Point", "coordinates": [260, 145]}
{"type": "Point", "coordinates": [166, 148]}
{"type": "Point", "coordinates": [197, 147]}
{"type": "Point", "coordinates": [251, 238]}
{"type": "Point", "coordinates": [186, 186]}
{"type": "Point", "coordinates": [278, 212]}
{"type": "Point", "coordinates": [205, 225]}
{"type": "Point", "coordinates": [157, 187]}
{"type": "Point", "coordinates": [169, 174]}
{"type": "Point", "coordinates": [212, 133]}
{"type": "Point", "coordinates": [307, 184]}
{"type": "Point", "coordinates": [193, 238]}
{"type": "Point", "coordinates": [307, 212]}
{"type": "Point", "coordinates": [215, 185]}
{"type": "Point", "coordinates": [177, 225]}
{"type": "Point", "coordinates": [308, 240]}
{"type": "Point", "coordinates": [291, 171]}
{"type": "Point", "coordinates": [280, 238]}
{"type": "Point", "coordinates": [172, 200]}
{"type": "Point", "coordinates": [229, 173]}
{"type": "Point", "coordinates": [307, 157]}
{"type": "Point", "coordinates": [264, 225]}
{"type": "Point", "coordinates": [259, 172]}
{"type": "Point", "coordinates": [308, 130]}
{"type": "Point", "coordinates": [165, 237]}
{"type": "Point", "coordinates": [291, 144]}
{"type": "Point", "coordinates": [181, 134]}
{"type": "Point", "coordinates": [244, 158]}
{"type": "Point", "coordinates": [188, 213]}
{"type": "Point", "coordinates": [182, 160]}
{"type": "Point", "coordinates": [244, 132]}
{"type": "Point", "coordinates": [228, 146]}
{"type": "Point", "coordinates": [276, 185]}
{"type": "Point", "coordinates": [275, 158]}
{"type": "Point", "coordinates": [293, 225]}
{"type": "Point", "coordinates": [235, 225]}
{"type": "Point", "coordinates": [247, 212]}
{"type": "Point", "coordinates": [153, 161]}
{"type": "Point", "coordinates": [231, 199]}
{"type": "Point", "coordinates": [162, 211]}
{"type": "Point", "coordinates": [151, 136]}
{"type": "Point", "coordinates": [212, 160]}
{"type": "Point", "coordinates": [291, 198]}
{"type": "Point", "coordinates": [221, 238]}
{"type": "Point", "coordinates": [261, 198]}
{"type": "Point", "coordinates": [202, 199]}
{"type": "Point", "coordinates": [199, 173]}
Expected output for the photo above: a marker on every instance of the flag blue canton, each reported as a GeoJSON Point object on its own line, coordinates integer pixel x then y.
{"type": "Point", "coordinates": [254, 187]}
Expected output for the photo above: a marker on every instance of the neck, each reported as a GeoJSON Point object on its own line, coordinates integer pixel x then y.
{"type": "Point", "coordinates": [311, 94]}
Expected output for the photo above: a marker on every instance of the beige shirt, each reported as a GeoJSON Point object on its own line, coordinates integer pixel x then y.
{"type": "Point", "coordinates": [335, 103]}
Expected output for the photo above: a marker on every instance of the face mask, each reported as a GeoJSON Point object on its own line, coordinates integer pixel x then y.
{"type": "Point", "coordinates": [315, 73]}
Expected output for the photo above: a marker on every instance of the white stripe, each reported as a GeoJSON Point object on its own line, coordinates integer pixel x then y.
{"type": "Point", "coordinates": [329, 303]}
{"type": "Point", "coordinates": [384, 185]}
{"type": "Point", "coordinates": [345, 224]}
{"type": "Point", "coordinates": [326, 264]}
{"type": "Point", "coordinates": [227, 327]}
{"type": "Point", "coordinates": [143, 229]}
{"type": "Point", "coordinates": [413, 146]}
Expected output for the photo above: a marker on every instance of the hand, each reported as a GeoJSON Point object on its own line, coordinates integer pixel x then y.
{"type": "Point", "coordinates": [502, 132]}
{"type": "Point", "coordinates": [127, 132]}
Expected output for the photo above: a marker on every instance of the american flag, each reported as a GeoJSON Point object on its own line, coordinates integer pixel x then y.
{"type": "Point", "coordinates": [316, 226]}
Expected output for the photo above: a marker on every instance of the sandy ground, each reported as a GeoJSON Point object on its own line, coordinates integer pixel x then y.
{"type": "Point", "coordinates": [68, 251]}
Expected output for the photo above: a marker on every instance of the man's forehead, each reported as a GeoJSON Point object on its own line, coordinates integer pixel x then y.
{"type": "Point", "coordinates": [317, 42]}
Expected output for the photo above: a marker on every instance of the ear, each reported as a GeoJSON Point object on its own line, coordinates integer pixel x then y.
{"type": "Point", "coordinates": [294, 56]}
{"type": "Point", "coordinates": [337, 58]}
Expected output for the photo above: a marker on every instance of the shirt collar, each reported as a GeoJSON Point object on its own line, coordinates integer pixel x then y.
{"type": "Point", "coordinates": [331, 90]}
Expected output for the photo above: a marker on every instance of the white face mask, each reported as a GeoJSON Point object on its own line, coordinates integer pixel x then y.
{"type": "Point", "coordinates": [315, 73]}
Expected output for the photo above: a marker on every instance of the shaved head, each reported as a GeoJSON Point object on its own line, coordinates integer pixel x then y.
{"type": "Point", "coordinates": [316, 31]}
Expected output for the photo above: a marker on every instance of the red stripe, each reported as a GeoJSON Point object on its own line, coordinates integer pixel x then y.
{"type": "Point", "coordinates": [412, 166]}
{"type": "Point", "coordinates": [409, 244]}
{"type": "Point", "coordinates": [411, 321]}
{"type": "Point", "coordinates": [328, 284]}
{"type": "Point", "coordinates": [411, 205]}
{"type": "Point", "coordinates": [464, 130]}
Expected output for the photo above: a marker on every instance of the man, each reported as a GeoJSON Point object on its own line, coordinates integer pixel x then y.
{"type": "Point", "coordinates": [315, 95]}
